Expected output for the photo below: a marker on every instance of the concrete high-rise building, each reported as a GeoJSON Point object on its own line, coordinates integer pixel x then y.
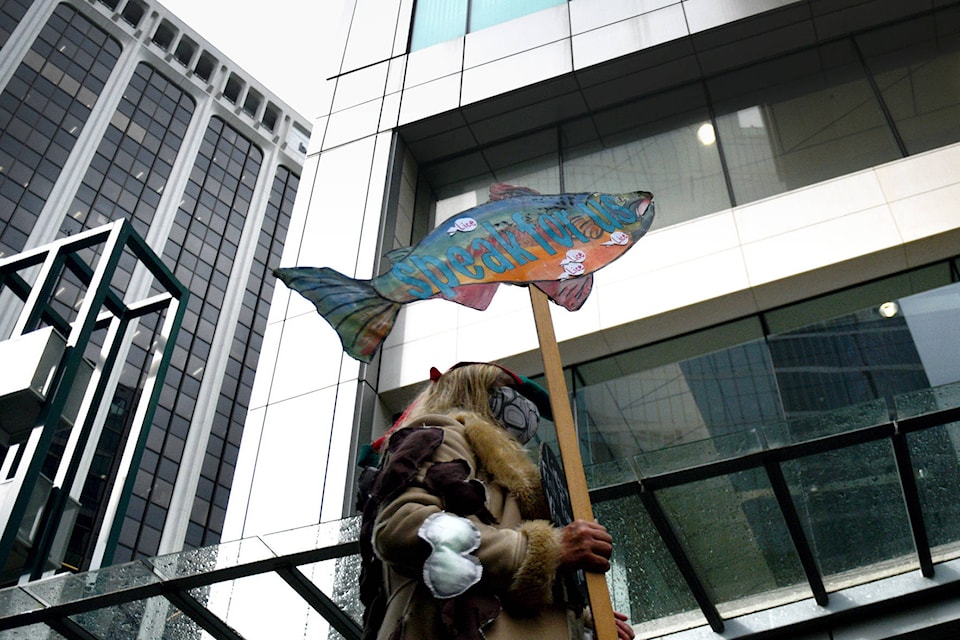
{"type": "Point", "coordinates": [765, 387]}
{"type": "Point", "coordinates": [117, 110]}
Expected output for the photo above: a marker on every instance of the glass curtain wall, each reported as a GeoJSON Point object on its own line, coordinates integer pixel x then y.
{"type": "Point", "coordinates": [790, 376]}
{"type": "Point", "coordinates": [742, 136]}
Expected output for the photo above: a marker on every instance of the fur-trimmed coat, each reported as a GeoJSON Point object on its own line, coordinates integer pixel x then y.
{"type": "Point", "coordinates": [438, 464]}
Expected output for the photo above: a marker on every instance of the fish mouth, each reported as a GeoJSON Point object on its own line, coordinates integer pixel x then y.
{"type": "Point", "coordinates": [641, 202]}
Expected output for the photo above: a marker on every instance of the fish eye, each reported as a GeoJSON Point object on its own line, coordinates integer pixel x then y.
{"type": "Point", "coordinates": [621, 200]}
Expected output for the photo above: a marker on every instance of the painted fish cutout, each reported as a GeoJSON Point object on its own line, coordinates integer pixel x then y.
{"type": "Point", "coordinates": [520, 237]}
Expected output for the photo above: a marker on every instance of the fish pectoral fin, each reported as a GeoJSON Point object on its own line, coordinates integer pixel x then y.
{"type": "Point", "coordinates": [502, 191]}
{"type": "Point", "coordinates": [475, 296]}
{"type": "Point", "coordinates": [570, 293]}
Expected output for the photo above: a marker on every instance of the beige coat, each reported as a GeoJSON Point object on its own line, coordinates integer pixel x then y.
{"type": "Point", "coordinates": [519, 550]}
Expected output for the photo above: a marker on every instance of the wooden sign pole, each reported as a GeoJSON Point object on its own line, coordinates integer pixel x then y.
{"type": "Point", "coordinates": [606, 628]}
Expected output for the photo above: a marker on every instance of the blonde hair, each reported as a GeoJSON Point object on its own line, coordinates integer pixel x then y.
{"type": "Point", "coordinates": [462, 390]}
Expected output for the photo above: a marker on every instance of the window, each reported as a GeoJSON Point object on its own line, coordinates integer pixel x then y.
{"type": "Point", "coordinates": [437, 21]}
{"type": "Point", "coordinates": [133, 13]}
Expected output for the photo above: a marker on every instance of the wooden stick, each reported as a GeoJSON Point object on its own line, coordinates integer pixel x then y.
{"type": "Point", "coordinates": [606, 628]}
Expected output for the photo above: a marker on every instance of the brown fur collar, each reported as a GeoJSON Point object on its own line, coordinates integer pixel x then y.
{"type": "Point", "coordinates": [508, 463]}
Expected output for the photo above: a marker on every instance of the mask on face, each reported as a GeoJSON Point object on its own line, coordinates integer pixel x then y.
{"type": "Point", "coordinates": [516, 414]}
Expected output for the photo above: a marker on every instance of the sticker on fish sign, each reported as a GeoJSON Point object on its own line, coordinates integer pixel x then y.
{"type": "Point", "coordinates": [462, 224]}
{"type": "Point", "coordinates": [618, 238]}
{"type": "Point", "coordinates": [573, 264]}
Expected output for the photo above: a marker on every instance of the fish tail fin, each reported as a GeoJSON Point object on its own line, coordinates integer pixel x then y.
{"type": "Point", "coordinates": [360, 316]}
{"type": "Point", "coordinates": [569, 294]}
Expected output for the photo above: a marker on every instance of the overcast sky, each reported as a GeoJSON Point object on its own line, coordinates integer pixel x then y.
{"type": "Point", "coordinates": [278, 42]}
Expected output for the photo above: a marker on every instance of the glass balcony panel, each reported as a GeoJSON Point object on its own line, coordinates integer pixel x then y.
{"type": "Point", "coordinates": [14, 601]}
{"type": "Point", "coordinates": [723, 392]}
{"type": "Point", "coordinates": [842, 420]}
{"type": "Point", "coordinates": [644, 582]}
{"type": "Point", "coordinates": [207, 559]}
{"type": "Point", "coordinates": [32, 632]}
{"type": "Point", "coordinates": [726, 447]}
{"type": "Point", "coordinates": [320, 536]}
{"type": "Point", "coordinates": [732, 529]}
{"type": "Point", "coordinates": [851, 507]}
{"type": "Point", "coordinates": [935, 454]}
{"type": "Point", "coordinates": [339, 579]}
{"type": "Point", "coordinates": [150, 618]}
{"type": "Point", "coordinates": [239, 603]}
{"type": "Point", "coordinates": [925, 401]}
{"type": "Point", "coordinates": [73, 587]}
{"type": "Point", "coordinates": [610, 474]}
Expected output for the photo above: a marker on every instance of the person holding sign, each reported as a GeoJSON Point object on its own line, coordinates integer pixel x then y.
{"type": "Point", "coordinates": [457, 540]}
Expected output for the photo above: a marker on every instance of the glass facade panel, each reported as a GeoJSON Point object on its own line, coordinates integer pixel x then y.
{"type": "Point", "coordinates": [732, 138]}
{"type": "Point", "coordinates": [656, 144]}
{"type": "Point", "coordinates": [798, 120]}
{"type": "Point", "coordinates": [437, 21]}
{"type": "Point", "coordinates": [915, 64]}
{"type": "Point", "coordinates": [227, 430]}
{"type": "Point", "coordinates": [486, 13]}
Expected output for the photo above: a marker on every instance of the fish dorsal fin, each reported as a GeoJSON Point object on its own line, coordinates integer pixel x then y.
{"type": "Point", "coordinates": [397, 255]}
{"type": "Point", "coordinates": [569, 294]}
{"type": "Point", "coordinates": [502, 191]}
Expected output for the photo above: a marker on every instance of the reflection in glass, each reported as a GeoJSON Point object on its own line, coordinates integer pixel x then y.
{"type": "Point", "coordinates": [790, 128]}
{"type": "Point", "coordinates": [644, 582]}
{"type": "Point", "coordinates": [153, 618]}
{"type": "Point", "coordinates": [851, 505]}
{"type": "Point", "coordinates": [715, 394]}
{"type": "Point", "coordinates": [915, 67]}
{"type": "Point", "coordinates": [731, 528]}
{"type": "Point", "coordinates": [653, 144]}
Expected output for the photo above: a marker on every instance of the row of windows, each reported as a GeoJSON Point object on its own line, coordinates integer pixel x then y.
{"type": "Point", "coordinates": [727, 140]}
{"type": "Point", "coordinates": [126, 176]}
{"type": "Point", "coordinates": [207, 518]}
{"type": "Point", "coordinates": [217, 251]}
{"type": "Point", "coordinates": [41, 120]}
{"type": "Point", "coordinates": [11, 12]}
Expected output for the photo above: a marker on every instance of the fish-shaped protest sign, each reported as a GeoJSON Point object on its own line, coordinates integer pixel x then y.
{"type": "Point", "coordinates": [520, 237]}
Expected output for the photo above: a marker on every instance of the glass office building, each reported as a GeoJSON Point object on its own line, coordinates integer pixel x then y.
{"type": "Point", "coordinates": [116, 110]}
{"type": "Point", "coordinates": [745, 380]}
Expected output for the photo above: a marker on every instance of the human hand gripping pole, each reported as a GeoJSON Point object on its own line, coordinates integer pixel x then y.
{"type": "Point", "coordinates": [605, 623]}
